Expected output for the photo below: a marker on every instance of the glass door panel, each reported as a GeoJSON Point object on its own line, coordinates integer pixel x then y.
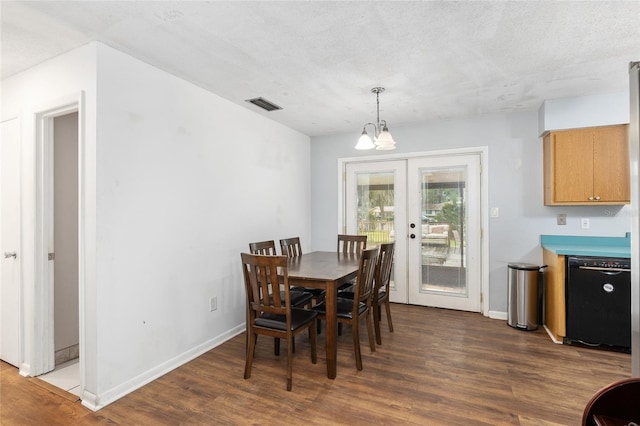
{"type": "Point", "coordinates": [376, 207]}
{"type": "Point", "coordinates": [443, 207]}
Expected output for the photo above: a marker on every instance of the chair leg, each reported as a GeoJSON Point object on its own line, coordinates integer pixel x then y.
{"type": "Point", "coordinates": [376, 323]}
{"type": "Point", "coordinates": [276, 346]}
{"type": "Point", "coordinates": [388, 309]}
{"type": "Point", "coordinates": [249, 359]}
{"type": "Point", "coordinates": [313, 337]}
{"type": "Point", "coordinates": [372, 343]}
{"type": "Point", "coordinates": [289, 362]}
{"type": "Point", "coordinates": [356, 343]}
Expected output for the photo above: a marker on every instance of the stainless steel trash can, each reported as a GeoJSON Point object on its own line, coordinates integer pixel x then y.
{"type": "Point", "coordinates": [524, 296]}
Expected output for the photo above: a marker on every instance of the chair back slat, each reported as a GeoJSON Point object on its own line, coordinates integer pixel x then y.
{"type": "Point", "coordinates": [351, 244]}
{"type": "Point", "coordinates": [291, 247]}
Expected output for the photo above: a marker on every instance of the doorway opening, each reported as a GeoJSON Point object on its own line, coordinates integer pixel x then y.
{"type": "Point", "coordinates": [60, 248]}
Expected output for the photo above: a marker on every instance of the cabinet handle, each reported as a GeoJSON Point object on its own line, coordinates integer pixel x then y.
{"type": "Point", "coordinates": [591, 198]}
{"type": "Point", "coordinates": [597, 198]}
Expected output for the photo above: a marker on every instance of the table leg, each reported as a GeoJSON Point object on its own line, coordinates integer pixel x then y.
{"type": "Point", "coordinates": [331, 331]}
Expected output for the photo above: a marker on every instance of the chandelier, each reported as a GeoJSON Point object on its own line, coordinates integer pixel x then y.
{"type": "Point", "coordinates": [382, 139]}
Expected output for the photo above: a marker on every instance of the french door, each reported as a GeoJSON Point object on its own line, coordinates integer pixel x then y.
{"type": "Point", "coordinates": [444, 244]}
{"type": "Point", "coordinates": [430, 207]}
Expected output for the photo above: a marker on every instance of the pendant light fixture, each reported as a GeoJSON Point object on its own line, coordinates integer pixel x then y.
{"type": "Point", "coordinates": [382, 139]}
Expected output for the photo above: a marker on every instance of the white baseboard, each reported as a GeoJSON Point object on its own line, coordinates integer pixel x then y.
{"type": "Point", "coordinates": [96, 402]}
{"type": "Point", "coordinates": [498, 315]}
{"type": "Point", "coordinates": [24, 370]}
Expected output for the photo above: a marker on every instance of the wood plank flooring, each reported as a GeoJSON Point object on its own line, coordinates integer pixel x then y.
{"type": "Point", "coordinates": [438, 367]}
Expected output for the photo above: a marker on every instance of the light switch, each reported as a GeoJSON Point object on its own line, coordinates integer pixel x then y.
{"type": "Point", "coordinates": [495, 212]}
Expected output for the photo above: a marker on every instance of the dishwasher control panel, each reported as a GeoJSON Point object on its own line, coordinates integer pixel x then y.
{"type": "Point", "coordinates": [600, 262]}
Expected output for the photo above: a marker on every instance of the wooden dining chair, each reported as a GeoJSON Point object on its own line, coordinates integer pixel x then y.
{"type": "Point", "coordinates": [291, 247]}
{"type": "Point", "coordinates": [381, 288]}
{"type": "Point", "coordinates": [380, 295]}
{"type": "Point", "coordinates": [299, 297]}
{"type": "Point", "coordinates": [351, 311]}
{"type": "Point", "coordinates": [351, 244]}
{"type": "Point", "coordinates": [267, 248]}
{"type": "Point", "coordinates": [273, 316]}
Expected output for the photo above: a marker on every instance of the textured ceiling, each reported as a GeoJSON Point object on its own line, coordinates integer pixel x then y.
{"type": "Point", "coordinates": [318, 60]}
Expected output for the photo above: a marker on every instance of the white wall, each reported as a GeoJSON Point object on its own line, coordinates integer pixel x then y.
{"type": "Point", "coordinates": [185, 180]}
{"type": "Point", "coordinates": [515, 187]}
{"type": "Point", "coordinates": [182, 180]}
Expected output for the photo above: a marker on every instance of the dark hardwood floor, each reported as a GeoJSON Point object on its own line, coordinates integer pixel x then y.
{"type": "Point", "coordinates": [438, 367]}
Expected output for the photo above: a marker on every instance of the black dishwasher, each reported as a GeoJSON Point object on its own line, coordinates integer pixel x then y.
{"type": "Point", "coordinates": [598, 301]}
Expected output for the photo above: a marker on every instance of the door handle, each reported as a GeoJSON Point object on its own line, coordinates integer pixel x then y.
{"type": "Point", "coordinates": [8, 254]}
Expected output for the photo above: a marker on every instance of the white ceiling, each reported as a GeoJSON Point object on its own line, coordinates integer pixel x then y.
{"type": "Point", "coordinates": [318, 59]}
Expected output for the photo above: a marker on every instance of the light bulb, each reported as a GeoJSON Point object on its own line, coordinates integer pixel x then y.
{"type": "Point", "coordinates": [365, 141]}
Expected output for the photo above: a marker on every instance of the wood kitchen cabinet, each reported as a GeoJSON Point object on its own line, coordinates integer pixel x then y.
{"type": "Point", "coordinates": [554, 295]}
{"type": "Point", "coordinates": [587, 166]}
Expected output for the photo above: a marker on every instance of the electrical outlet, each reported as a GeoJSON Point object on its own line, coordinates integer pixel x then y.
{"type": "Point", "coordinates": [584, 223]}
{"type": "Point", "coordinates": [562, 219]}
{"type": "Point", "coordinates": [213, 303]}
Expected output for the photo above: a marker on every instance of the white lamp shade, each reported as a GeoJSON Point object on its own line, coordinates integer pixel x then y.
{"type": "Point", "coordinates": [385, 141]}
{"type": "Point", "coordinates": [365, 142]}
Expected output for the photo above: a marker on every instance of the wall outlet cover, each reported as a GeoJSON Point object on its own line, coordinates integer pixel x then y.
{"type": "Point", "coordinates": [562, 219]}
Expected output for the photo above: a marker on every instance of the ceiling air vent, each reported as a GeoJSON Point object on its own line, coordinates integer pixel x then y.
{"type": "Point", "coordinates": [264, 104]}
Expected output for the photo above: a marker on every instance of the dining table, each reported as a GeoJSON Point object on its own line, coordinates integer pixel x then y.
{"type": "Point", "coordinates": [327, 270]}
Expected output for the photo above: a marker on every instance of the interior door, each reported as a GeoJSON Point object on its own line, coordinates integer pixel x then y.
{"type": "Point", "coordinates": [10, 242]}
{"type": "Point", "coordinates": [375, 206]}
{"type": "Point", "coordinates": [444, 227]}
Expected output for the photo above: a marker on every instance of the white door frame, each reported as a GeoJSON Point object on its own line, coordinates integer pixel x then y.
{"type": "Point", "coordinates": [483, 152]}
{"type": "Point", "coordinates": [40, 308]}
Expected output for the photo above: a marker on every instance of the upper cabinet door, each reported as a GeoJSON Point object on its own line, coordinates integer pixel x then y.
{"type": "Point", "coordinates": [611, 164]}
{"type": "Point", "coordinates": [572, 156]}
{"type": "Point", "coordinates": [587, 166]}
